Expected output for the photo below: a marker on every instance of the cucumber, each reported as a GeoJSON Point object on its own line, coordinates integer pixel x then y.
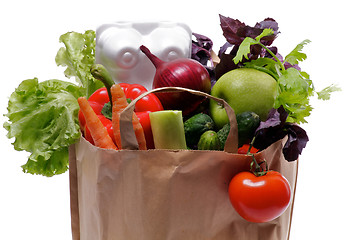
{"type": "Point", "coordinates": [195, 126]}
{"type": "Point", "coordinates": [247, 123]}
{"type": "Point", "coordinates": [209, 141]}
{"type": "Point", "coordinates": [223, 134]}
{"type": "Point", "coordinates": [167, 128]}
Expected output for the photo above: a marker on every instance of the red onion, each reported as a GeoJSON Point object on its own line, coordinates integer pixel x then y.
{"type": "Point", "coordinates": [184, 72]}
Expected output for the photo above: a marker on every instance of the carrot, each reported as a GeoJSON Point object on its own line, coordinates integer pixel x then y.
{"type": "Point", "coordinates": [97, 130]}
{"type": "Point", "coordinates": [119, 101]}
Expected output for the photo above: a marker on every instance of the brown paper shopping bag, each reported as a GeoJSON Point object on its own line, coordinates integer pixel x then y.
{"type": "Point", "coordinates": [166, 194]}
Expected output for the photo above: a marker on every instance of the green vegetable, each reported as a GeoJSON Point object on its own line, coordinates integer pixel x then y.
{"type": "Point", "coordinates": [78, 56]}
{"type": "Point", "coordinates": [43, 119]}
{"type": "Point", "coordinates": [247, 123]}
{"type": "Point", "coordinates": [195, 126]}
{"type": "Point", "coordinates": [43, 116]}
{"type": "Point", "coordinates": [168, 130]}
{"type": "Point", "coordinates": [295, 86]}
{"type": "Point", "coordinates": [209, 141]}
{"type": "Point", "coordinates": [223, 134]}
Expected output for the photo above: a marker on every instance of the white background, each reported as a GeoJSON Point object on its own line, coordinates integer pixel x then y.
{"type": "Point", "coordinates": [328, 193]}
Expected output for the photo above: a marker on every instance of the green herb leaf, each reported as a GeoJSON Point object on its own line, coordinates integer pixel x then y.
{"type": "Point", "coordinates": [295, 86]}
{"type": "Point", "coordinates": [325, 94]}
{"type": "Point", "coordinates": [294, 95]}
{"type": "Point", "coordinates": [267, 65]}
{"type": "Point", "coordinates": [245, 47]}
{"type": "Point", "coordinates": [43, 120]}
{"type": "Point", "coordinates": [266, 32]}
{"type": "Point", "coordinates": [243, 50]}
{"type": "Point", "coordinates": [296, 56]}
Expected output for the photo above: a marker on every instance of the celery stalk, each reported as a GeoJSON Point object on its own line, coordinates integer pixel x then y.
{"type": "Point", "coordinates": [168, 129]}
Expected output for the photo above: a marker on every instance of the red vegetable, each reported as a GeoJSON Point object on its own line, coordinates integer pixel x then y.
{"type": "Point", "coordinates": [259, 199]}
{"type": "Point", "coordinates": [183, 72]}
{"type": "Point", "coordinates": [107, 124]}
{"type": "Point", "coordinates": [143, 107]}
{"type": "Point", "coordinates": [119, 101]}
{"type": "Point", "coordinates": [244, 149]}
{"type": "Point", "coordinates": [96, 128]}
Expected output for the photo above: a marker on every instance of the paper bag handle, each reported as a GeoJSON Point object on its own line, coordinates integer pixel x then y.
{"type": "Point", "coordinates": [129, 140]}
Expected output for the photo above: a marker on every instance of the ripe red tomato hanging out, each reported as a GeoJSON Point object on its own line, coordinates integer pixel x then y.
{"type": "Point", "coordinates": [259, 199]}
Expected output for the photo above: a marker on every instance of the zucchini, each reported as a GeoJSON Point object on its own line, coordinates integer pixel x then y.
{"type": "Point", "coordinates": [209, 141]}
{"type": "Point", "coordinates": [195, 126]}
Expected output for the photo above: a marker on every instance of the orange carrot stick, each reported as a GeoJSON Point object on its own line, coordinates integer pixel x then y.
{"type": "Point", "coordinates": [97, 130]}
{"type": "Point", "coordinates": [119, 103]}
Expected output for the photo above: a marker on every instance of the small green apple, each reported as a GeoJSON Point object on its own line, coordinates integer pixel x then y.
{"type": "Point", "coordinates": [244, 89]}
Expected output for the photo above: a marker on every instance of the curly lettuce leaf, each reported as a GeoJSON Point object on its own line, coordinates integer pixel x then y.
{"type": "Point", "coordinates": [43, 120]}
{"type": "Point", "coordinates": [78, 56]}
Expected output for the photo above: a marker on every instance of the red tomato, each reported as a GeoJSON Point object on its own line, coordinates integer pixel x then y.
{"type": "Point", "coordinates": [244, 149]}
{"type": "Point", "coordinates": [259, 199]}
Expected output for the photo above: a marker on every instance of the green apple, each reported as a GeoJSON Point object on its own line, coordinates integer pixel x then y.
{"type": "Point", "coordinates": [244, 89]}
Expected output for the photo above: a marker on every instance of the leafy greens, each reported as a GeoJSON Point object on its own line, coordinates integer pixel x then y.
{"type": "Point", "coordinates": [43, 116]}
{"type": "Point", "coordinates": [250, 47]}
{"type": "Point", "coordinates": [78, 56]}
{"type": "Point", "coordinates": [295, 86]}
{"type": "Point", "coordinates": [44, 122]}
{"type": "Point", "coordinates": [276, 128]}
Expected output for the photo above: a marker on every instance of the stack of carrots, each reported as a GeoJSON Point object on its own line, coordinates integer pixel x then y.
{"type": "Point", "coordinates": [97, 130]}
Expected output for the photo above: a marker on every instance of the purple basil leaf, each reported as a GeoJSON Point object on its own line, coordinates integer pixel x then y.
{"type": "Point", "coordinates": [256, 51]}
{"type": "Point", "coordinates": [235, 32]}
{"type": "Point", "coordinates": [268, 23]}
{"type": "Point", "coordinates": [253, 32]}
{"type": "Point", "coordinates": [224, 48]}
{"type": "Point", "coordinates": [203, 41]}
{"type": "Point", "coordinates": [226, 64]}
{"type": "Point", "coordinates": [276, 118]}
{"type": "Point", "coordinates": [275, 51]}
{"type": "Point", "coordinates": [230, 28]}
{"type": "Point", "coordinates": [296, 142]}
{"type": "Point", "coordinates": [271, 130]}
{"type": "Point", "coordinates": [201, 52]}
{"type": "Point", "coordinates": [201, 48]}
{"type": "Point", "coordinates": [275, 128]}
{"type": "Point", "coordinates": [266, 137]}
{"type": "Point", "coordinates": [247, 31]}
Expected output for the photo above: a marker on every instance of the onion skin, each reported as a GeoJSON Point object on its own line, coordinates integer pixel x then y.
{"type": "Point", "coordinates": [184, 72]}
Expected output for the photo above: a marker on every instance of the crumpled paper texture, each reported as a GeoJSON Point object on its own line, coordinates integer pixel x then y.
{"type": "Point", "coordinates": [166, 195]}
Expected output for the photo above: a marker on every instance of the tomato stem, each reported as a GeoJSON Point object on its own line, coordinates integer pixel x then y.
{"type": "Point", "coordinates": [251, 145]}
{"type": "Point", "coordinates": [258, 169]}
